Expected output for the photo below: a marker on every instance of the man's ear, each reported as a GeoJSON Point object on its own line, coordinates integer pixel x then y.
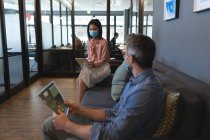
{"type": "Point", "coordinates": [131, 59]}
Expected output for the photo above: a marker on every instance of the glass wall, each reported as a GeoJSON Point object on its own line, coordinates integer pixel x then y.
{"type": "Point", "coordinates": [117, 24]}
{"type": "Point", "coordinates": [148, 20]}
{"type": "Point", "coordinates": [46, 24]}
{"type": "Point", "coordinates": [2, 88]}
{"type": "Point", "coordinates": [69, 27]}
{"type": "Point", "coordinates": [117, 9]}
{"type": "Point", "coordinates": [64, 24]}
{"type": "Point", "coordinates": [13, 42]}
{"type": "Point", "coordinates": [120, 29]}
{"type": "Point", "coordinates": [56, 32]}
{"type": "Point", "coordinates": [135, 16]}
{"type": "Point", "coordinates": [56, 23]}
{"type": "Point", "coordinates": [31, 37]}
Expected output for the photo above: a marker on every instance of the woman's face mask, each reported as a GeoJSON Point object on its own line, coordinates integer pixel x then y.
{"type": "Point", "coordinates": [93, 33]}
{"type": "Point", "coordinates": [93, 30]}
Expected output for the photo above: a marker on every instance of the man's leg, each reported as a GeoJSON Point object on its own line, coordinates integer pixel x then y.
{"type": "Point", "coordinates": [50, 133]}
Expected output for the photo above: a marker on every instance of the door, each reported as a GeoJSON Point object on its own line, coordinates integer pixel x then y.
{"type": "Point", "coordinates": [31, 37]}
{"type": "Point", "coordinates": [13, 38]}
{"type": "Point", "coordinates": [2, 83]}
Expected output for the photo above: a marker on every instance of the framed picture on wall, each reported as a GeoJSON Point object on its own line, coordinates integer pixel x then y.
{"type": "Point", "coordinates": [171, 9]}
{"type": "Point", "coordinates": [201, 5]}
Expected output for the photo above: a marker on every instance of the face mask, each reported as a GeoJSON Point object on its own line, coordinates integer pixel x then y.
{"type": "Point", "coordinates": [93, 33]}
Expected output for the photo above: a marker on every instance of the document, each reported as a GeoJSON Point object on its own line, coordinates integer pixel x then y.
{"type": "Point", "coordinates": [52, 97]}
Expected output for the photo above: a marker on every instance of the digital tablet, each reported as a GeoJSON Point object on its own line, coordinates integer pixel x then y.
{"type": "Point", "coordinates": [82, 62]}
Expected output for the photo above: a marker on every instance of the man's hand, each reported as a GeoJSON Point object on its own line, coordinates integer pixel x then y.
{"type": "Point", "coordinates": [73, 107]}
{"type": "Point", "coordinates": [60, 120]}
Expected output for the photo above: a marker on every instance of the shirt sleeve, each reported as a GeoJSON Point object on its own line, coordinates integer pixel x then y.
{"type": "Point", "coordinates": [133, 114]}
{"type": "Point", "coordinates": [111, 112]}
{"type": "Point", "coordinates": [104, 55]}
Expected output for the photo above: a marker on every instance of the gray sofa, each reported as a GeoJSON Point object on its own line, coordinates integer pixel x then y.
{"type": "Point", "coordinates": [193, 117]}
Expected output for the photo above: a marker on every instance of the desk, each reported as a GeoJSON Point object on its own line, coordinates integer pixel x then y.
{"type": "Point", "coordinates": [60, 60]}
{"type": "Point", "coordinates": [32, 49]}
{"type": "Point", "coordinates": [122, 47]}
{"type": "Point", "coordinates": [61, 49]}
{"type": "Point", "coordinates": [118, 52]}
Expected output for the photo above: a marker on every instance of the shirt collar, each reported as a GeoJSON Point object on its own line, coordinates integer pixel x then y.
{"type": "Point", "coordinates": [142, 76]}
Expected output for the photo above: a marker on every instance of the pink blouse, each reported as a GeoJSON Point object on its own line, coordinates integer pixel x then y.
{"type": "Point", "coordinates": [98, 51]}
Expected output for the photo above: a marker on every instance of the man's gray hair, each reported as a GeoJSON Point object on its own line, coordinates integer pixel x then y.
{"type": "Point", "coordinates": [142, 48]}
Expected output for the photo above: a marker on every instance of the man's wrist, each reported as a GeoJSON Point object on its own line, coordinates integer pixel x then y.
{"type": "Point", "coordinates": [80, 111]}
{"type": "Point", "coordinates": [67, 127]}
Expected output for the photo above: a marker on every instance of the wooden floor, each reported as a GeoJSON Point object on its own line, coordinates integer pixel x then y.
{"type": "Point", "coordinates": [21, 116]}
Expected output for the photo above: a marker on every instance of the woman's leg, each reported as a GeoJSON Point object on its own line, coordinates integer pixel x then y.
{"type": "Point", "coordinates": [82, 89]}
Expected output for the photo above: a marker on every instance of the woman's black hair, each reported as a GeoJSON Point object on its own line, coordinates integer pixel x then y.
{"type": "Point", "coordinates": [97, 23]}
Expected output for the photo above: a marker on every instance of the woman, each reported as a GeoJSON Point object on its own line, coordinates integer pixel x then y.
{"type": "Point", "coordinates": [98, 58]}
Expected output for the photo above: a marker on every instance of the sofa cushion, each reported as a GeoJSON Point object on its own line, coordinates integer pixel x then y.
{"type": "Point", "coordinates": [119, 80]}
{"type": "Point", "coordinates": [170, 114]}
{"type": "Point", "coordinates": [98, 97]}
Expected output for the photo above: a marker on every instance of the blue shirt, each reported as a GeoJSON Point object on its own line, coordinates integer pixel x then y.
{"type": "Point", "coordinates": [136, 114]}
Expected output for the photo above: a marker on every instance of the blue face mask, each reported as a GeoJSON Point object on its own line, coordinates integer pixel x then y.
{"type": "Point", "coordinates": [93, 33]}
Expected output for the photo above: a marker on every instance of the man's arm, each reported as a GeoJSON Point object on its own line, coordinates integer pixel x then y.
{"type": "Point", "coordinates": [94, 114]}
{"type": "Point", "coordinates": [81, 131]}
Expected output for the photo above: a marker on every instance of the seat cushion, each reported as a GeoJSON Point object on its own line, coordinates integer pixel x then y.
{"type": "Point", "coordinates": [98, 97]}
{"type": "Point", "coordinates": [119, 80]}
{"type": "Point", "coordinates": [171, 114]}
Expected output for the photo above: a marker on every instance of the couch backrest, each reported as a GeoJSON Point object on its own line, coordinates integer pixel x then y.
{"type": "Point", "coordinates": [196, 96]}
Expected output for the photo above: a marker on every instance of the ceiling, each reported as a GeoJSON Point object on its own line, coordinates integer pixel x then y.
{"type": "Point", "coordinates": [84, 5]}
{"type": "Point", "coordinates": [116, 5]}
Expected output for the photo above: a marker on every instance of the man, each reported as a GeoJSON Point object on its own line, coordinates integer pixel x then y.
{"type": "Point", "coordinates": [137, 113]}
{"type": "Point", "coordinates": [113, 40]}
{"type": "Point", "coordinates": [114, 50]}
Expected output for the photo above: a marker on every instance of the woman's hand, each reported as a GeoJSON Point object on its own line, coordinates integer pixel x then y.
{"type": "Point", "coordinates": [73, 107]}
{"type": "Point", "coordinates": [90, 64]}
{"type": "Point", "coordinates": [60, 120]}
